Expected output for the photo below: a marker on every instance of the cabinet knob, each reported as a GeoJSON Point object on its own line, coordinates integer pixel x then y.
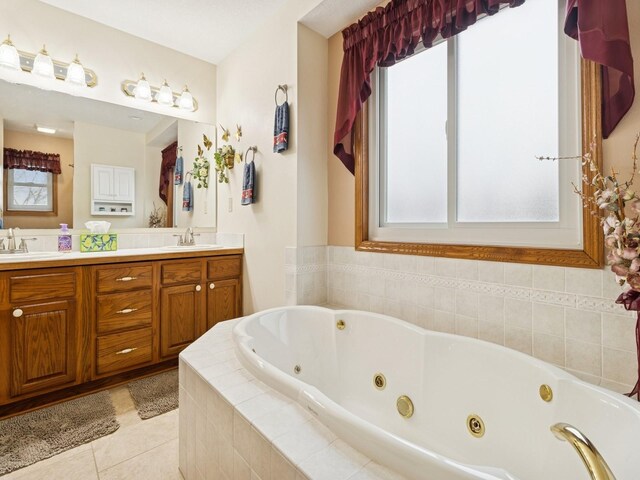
{"type": "Point", "coordinates": [17, 312]}
{"type": "Point", "coordinates": [212, 286]}
{"type": "Point", "coordinates": [198, 288]}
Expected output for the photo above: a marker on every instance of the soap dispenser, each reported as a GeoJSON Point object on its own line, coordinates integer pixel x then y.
{"type": "Point", "coordinates": [64, 238]}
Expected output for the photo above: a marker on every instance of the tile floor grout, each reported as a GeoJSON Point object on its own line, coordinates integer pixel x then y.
{"type": "Point", "coordinates": [154, 435]}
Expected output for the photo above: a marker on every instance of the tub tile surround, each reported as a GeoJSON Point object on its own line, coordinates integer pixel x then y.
{"type": "Point", "coordinates": [134, 238]}
{"type": "Point", "coordinates": [234, 427]}
{"type": "Point", "coordinates": [565, 316]}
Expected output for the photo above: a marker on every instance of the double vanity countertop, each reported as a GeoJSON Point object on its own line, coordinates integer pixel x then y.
{"type": "Point", "coordinates": [20, 261]}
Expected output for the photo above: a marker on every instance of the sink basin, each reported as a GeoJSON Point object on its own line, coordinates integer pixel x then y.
{"type": "Point", "coordinates": [191, 248]}
{"type": "Point", "coordinates": [17, 257]}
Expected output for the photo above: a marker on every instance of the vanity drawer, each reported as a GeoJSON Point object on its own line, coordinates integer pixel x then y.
{"type": "Point", "coordinates": [121, 278]}
{"type": "Point", "coordinates": [181, 272]}
{"type": "Point", "coordinates": [31, 288]}
{"type": "Point", "coordinates": [119, 311]}
{"type": "Point", "coordinates": [226, 267]}
{"type": "Point", "coordinates": [120, 351]}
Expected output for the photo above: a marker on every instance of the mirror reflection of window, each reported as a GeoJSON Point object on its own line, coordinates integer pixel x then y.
{"type": "Point", "coordinates": [30, 191]}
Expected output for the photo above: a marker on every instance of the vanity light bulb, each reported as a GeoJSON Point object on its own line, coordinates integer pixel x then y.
{"type": "Point", "coordinates": [165, 95]}
{"type": "Point", "coordinates": [142, 90]}
{"type": "Point", "coordinates": [185, 102]}
{"type": "Point", "coordinates": [43, 65]}
{"type": "Point", "coordinates": [9, 57]}
{"type": "Point", "coordinates": [75, 74]}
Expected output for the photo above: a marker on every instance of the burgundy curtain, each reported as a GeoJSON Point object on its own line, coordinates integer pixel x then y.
{"type": "Point", "coordinates": [29, 160]}
{"type": "Point", "coordinates": [386, 35]}
{"type": "Point", "coordinates": [602, 29]}
{"type": "Point", "coordinates": [169, 156]}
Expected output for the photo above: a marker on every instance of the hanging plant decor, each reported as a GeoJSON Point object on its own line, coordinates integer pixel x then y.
{"type": "Point", "coordinates": [224, 157]}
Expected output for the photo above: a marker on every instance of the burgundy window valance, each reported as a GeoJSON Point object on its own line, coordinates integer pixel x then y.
{"type": "Point", "coordinates": [388, 34]}
{"type": "Point", "coordinates": [29, 160]}
{"type": "Point", "coordinates": [602, 30]}
{"type": "Point", "coordinates": [169, 157]}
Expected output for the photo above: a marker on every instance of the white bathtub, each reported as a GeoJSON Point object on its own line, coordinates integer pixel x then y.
{"type": "Point", "coordinates": [448, 378]}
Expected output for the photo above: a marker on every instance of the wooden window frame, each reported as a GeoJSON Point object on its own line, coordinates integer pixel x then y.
{"type": "Point", "coordinates": [592, 253]}
{"type": "Point", "coordinates": [33, 213]}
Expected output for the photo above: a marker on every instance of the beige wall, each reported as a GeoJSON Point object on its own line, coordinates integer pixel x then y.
{"type": "Point", "coordinates": [617, 149]}
{"type": "Point", "coordinates": [47, 144]}
{"type": "Point", "coordinates": [114, 56]}
{"type": "Point", "coordinates": [247, 80]}
{"type": "Point", "coordinates": [94, 144]}
{"type": "Point", "coordinates": [312, 149]}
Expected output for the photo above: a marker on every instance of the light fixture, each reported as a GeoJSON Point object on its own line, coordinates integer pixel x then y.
{"type": "Point", "coordinates": [43, 65]}
{"type": "Point", "coordinates": [185, 102]}
{"type": "Point", "coordinates": [76, 74]}
{"type": "Point", "coordinates": [48, 130]}
{"type": "Point", "coordinates": [9, 57]}
{"type": "Point", "coordinates": [143, 90]}
{"type": "Point", "coordinates": [165, 95]}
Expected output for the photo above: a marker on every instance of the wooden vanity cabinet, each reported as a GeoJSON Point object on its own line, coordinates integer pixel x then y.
{"type": "Point", "coordinates": [40, 331]}
{"type": "Point", "coordinates": [68, 330]}
{"type": "Point", "coordinates": [181, 305]}
{"type": "Point", "coordinates": [224, 289]}
{"type": "Point", "coordinates": [123, 326]}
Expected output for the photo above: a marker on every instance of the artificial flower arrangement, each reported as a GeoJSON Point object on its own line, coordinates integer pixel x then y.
{"type": "Point", "coordinates": [224, 157]}
{"type": "Point", "coordinates": [201, 164]}
{"type": "Point", "coordinates": [618, 207]}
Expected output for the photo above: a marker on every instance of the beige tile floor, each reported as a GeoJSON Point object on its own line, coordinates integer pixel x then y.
{"type": "Point", "coordinates": [138, 450]}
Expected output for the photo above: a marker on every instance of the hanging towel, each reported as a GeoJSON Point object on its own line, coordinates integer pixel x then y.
{"type": "Point", "coordinates": [281, 128]}
{"type": "Point", "coordinates": [187, 197]}
{"type": "Point", "coordinates": [177, 174]}
{"type": "Point", "coordinates": [248, 184]}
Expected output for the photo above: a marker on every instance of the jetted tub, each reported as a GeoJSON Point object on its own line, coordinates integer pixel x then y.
{"type": "Point", "coordinates": [360, 372]}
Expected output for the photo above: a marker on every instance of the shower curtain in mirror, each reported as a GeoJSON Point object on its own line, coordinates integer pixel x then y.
{"type": "Point", "coordinates": [169, 156]}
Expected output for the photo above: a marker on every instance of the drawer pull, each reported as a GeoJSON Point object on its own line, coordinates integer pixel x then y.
{"type": "Point", "coordinates": [198, 288]}
{"type": "Point", "coordinates": [127, 310]}
{"type": "Point", "coordinates": [17, 312]}
{"type": "Point", "coordinates": [126, 279]}
{"type": "Point", "coordinates": [126, 350]}
{"type": "Point", "coordinates": [212, 286]}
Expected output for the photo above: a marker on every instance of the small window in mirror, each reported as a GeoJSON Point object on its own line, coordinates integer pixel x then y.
{"type": "Point", "coordinates": [30, 191]}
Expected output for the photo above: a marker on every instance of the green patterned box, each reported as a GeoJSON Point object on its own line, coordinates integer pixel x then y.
{"type": "Point", "coordinates": [98, 242]}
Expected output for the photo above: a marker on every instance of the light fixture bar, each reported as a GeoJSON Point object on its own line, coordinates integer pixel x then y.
{"type": "Point", "coordinates": [59, 68]}
{"type": "Point", "coordinates": [128, 88]}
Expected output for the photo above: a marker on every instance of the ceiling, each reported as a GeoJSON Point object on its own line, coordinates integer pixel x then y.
{"type": "Point", "coordinates": [331, 16]}
{"type": "Point", "coordinates": [22, 107]}
{"type": "Point", "coordinates": [205, 29]}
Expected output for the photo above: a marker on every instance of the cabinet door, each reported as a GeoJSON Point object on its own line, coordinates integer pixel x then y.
{"type": "Point", "coordinates": [181, 310]}
{"type": "Point", "coordinates": [43, 352]}
{"type": "Point", "coordinates": [102, 182]}
{"type": "Point", "coordinates": [123, 184]}
{"type": "Point", "coordinates": [223, 301]}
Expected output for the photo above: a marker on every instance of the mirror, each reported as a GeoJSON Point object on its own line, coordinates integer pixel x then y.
{"type": "Point", "coordinates": [109, 158]}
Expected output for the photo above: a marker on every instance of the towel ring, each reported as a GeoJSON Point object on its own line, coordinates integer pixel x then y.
{"type": "Point", "coordinates": [286, 95]}
{"type": "Point", "coordinates": [253, 150]}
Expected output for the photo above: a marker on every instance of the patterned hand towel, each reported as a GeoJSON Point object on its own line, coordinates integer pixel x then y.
{"type": "Point", "coordinates": [177, 174]}
{"type": "Point", "coordinates": [187, 197]}
{"type": "Point", "coordinates": [281, 128]}
{"type": "Point", "coordinates": [248, 184]}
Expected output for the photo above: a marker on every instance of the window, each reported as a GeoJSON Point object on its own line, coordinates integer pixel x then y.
{"type": "Point", "coordinates": [30, 191]}
{"type": "Point", "coordinates": [455, 130]}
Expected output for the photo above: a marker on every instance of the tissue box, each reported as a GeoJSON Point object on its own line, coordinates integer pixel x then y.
{"type": "Point", "coordinates": [98, 242]}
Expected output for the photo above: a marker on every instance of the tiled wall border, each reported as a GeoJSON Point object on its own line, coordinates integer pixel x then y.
{"type": "Point", "coordinates": [565, 316]}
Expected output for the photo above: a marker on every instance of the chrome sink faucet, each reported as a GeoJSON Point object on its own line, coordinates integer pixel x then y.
{"type": "Point", "coordinates": [11, 243]}
{"type": "Point", "coordinates": [188, 239]}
